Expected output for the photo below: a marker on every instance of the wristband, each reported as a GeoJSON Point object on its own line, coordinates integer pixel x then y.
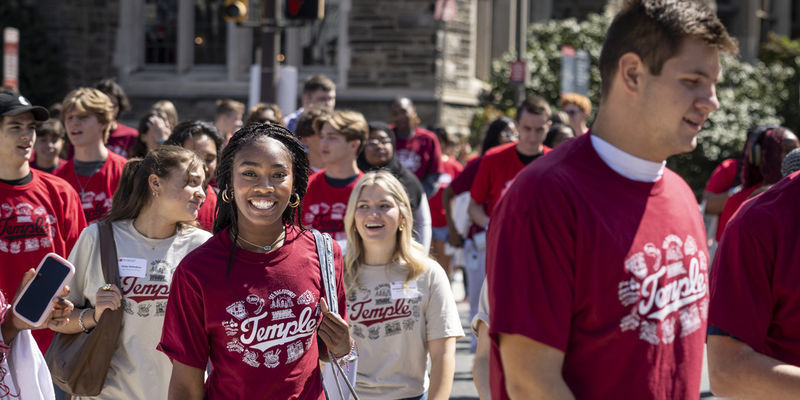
{"type": "Point", "coordinates": [80, 319]}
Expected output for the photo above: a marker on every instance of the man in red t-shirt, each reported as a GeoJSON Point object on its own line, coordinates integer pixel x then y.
{"type": "Point", "coordinates": [94, 171]}
{"type": "Point", "coordinates": [754, 323]}
{"type": "Point", "coordinates": [39, 213]}
{"type": "Point", "coordinates": [417, 148]}
{"type": "Point", "coordinates": [596, 258]}
{"type": "Point", "coordinates": [121, 138]}
{"type": "Point", "coordinates": [342, 134]}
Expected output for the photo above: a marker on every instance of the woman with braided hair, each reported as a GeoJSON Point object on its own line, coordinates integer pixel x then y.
{"type": "Point", "coordinates": [250, 300]}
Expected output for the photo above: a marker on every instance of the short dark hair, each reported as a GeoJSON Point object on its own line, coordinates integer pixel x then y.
{"type": "Point", "coordinates": [52, 126]}
{"type": "Point", "coordinates": [655, 31]}
{"type": "Point", "coordinates": [305, 123]}
{"type": "Point", "coordinates": [190, 129]}
{"type": "Point", "coordinates": [534, 105]}
{"type": "Point", "coordinates": [112, 89]}
{"type": "Point", "coordinates": [318, 82]}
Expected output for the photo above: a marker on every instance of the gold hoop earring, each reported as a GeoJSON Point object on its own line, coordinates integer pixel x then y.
{"type": "Point", "coordinates": [296, 201]}
{"type": "Point", "coordinates": [226, 197]}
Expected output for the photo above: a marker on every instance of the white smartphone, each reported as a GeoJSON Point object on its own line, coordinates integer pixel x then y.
{"type": "Point", "coordinates": [53, 273]}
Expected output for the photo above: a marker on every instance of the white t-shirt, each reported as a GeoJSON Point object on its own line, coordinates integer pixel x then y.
{"type": "Point", "coordinates": [483, 310]}
{"type": "Point", "coordinates": [138, 370]}
{"type": "Point", "coordinates": [392, 326]}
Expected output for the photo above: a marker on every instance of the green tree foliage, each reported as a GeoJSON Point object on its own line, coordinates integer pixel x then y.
{"type": "Point", "coordinates": [41, 71]}
{"type": "Point", "coordinates": [749, 94]}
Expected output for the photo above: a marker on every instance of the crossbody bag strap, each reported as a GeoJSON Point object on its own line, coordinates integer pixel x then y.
{"type": "Point", "coordinates": [108, 252]}
{"type": "Point", "coordinates": [326, 266]}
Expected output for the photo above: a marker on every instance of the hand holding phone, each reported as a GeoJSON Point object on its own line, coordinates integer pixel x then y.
{"type": "Point", "coordinates": [34, 302]}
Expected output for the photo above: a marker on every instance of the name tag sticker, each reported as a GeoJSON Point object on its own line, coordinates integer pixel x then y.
{"type": "Point", "coordinates": [410, 291]}
{"type": "Point", "coordinates": [129, 266]}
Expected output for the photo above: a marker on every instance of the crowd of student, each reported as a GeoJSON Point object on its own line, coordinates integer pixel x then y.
{"type": "Point", "coordinates": [587, 267]}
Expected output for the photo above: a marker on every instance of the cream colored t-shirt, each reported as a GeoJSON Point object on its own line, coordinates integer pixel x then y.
{"type": "Point", "coordinates": [138, 370]}
{"type": "Point", "coordinates": [392, 325]}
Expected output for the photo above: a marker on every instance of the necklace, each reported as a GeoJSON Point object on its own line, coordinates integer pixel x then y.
{"type": "Point", "coordinates": [83, 186]}
{"type": "Point", "coordinates": [266, 248]}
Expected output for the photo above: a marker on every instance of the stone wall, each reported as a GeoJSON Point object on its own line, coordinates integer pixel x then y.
{"type": "Point", "coordinates": [85, 33]}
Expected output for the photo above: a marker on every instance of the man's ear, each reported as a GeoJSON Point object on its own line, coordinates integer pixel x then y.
{"type": "Point", "coordinates": [630, 71]}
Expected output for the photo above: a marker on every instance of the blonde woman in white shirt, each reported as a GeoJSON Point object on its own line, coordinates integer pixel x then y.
{"type": "Point", "coordinates": [153, 219]}
{"type": "Point", "coordinates": [400, 304]}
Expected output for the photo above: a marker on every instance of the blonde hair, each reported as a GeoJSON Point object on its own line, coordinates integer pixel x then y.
{"type": "Point", "coordinates": [407, 252]}
{"type": "Point", "coordinates": [92, 101]}
{"type": "Point", "coordinates": [579, 100]}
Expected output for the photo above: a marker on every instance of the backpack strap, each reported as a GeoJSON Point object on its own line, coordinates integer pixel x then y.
{"type": "Point", "coordinates": [326, 266]}
{"type": "Point", "coordinates": [108, 253]}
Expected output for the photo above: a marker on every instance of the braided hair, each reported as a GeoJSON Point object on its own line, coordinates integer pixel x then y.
{"type": "Point", "coordinates": [227, 212]}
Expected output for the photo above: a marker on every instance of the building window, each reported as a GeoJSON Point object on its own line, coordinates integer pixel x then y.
{"type": "Point", "coordinates": [160, 31]}
{"type": "Point", "coordinates": [210, 33]}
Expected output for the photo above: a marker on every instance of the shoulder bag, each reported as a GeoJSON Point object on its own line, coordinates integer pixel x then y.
{"type": "Point", "coordinates": [79, 362]}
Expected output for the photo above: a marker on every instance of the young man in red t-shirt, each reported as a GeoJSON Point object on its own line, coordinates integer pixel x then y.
{"type": "Point", "coordinates": [596, 259]}
{"type": "Point", "coordinates": [39, 213]}
{"type": "Point", "coordinates": [342, 134]}
{"type": "Point", "coordinates": [94, 171]}
{"type": "Point", "coordinates": [417, 148]}
{"type": "Point", "coordinates": [754, 323]}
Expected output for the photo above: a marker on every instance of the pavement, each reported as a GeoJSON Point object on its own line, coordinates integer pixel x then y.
{"type": "Point", "coordinates": [464, 388]}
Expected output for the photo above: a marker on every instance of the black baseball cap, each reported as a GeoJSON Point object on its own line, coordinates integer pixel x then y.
{"type": "Point", "coordinates": [16, 104]}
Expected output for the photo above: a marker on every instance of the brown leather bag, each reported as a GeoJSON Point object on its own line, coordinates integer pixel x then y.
{"type": "Point", "coordinates": [79, 362]}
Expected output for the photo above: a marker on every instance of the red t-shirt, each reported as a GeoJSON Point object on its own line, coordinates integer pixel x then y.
{"type": "Point", "coordinates": [754, 279]}
{"type": "Point", "coordinates": [420, 153]}
{"type": "Point", "coordinates": [450, 170]}
{"type": "Point", "coordinates": [731, 205]}
{"type": "Point", "coordinates": [463, 182]}
{"type": "Point", "coordinates": [497, 170]}
{"type": "Point", "coordinates": [723, 176]}
{"type": "Point", "coordinates": [122, 139]}
{"type": "Point", "coordinates": [36, 218]}
{"type": "Point", "coordinates": [608, 270]}
{"type": "Point", "coordinates": [256, 321]}
{"type": "Point", "coordinates": [97, 190]}
{"type": "Point", "coordinates": [324, 205]}
{"type": "Point", "coordinates": [205, 215]}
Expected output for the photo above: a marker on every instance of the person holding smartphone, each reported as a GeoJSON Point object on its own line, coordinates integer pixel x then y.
{"type": "Point", "coordinates": [153, 219]}
{"type": "Point", "coordinates": [250, 300]}
{"type": "Point", "coordinates": [23, 371]}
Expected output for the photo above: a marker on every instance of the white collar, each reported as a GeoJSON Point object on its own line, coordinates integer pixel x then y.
{"type": "Point", "coordinates": [627, 165]}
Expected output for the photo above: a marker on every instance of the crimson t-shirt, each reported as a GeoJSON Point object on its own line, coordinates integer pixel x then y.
{"type": "Point", "coordinates": [324, 205]}
{"type": "Point", "coordinates": [36, 218]}
{"type": "Point", "coordinates": [754, 278]}
{"type": "Point", "coordinates": [723, 176]}
{"type": "Point", "coordinates": [205, 215]}
{"type": "Point", "coordinates": [122, 139]}
{"type": "Point", "coordinates": [496, 172]}
{"type": "Point", "coordinates": [420, 153]}
{"type": "Point", "coordinates": [610, 271]}
{"type": "Point", "coordinates": [255, 320]}
{"type": "Point", "coordinates": [97, 190]}
{"type": "Point", "coordinates": [731, 206]}
{"type": "Point", "coordinates": [450, 170]}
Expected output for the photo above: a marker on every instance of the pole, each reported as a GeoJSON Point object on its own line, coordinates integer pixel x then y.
{"type": "Point", "coordinates": [522, 30]}
{"type": "Point", "coordinates": [270, 45]}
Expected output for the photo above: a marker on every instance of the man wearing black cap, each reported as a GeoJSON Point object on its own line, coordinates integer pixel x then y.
{"type": "Point", "coordinates": [39, 213]}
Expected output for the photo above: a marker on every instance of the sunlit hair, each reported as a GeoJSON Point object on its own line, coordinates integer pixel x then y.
{"type": "Point", "coordinates": [350, 124]}
{"type": "Point", "coordinates": [407, 251]}
{"type": "Point", "coordinates": [578, 100]}
{"type": "Point", "coordinates": [168, 108]}
{"type": "Point", "coordinates": [134, 193]}
{"type": "Point", "coordinates": [89, 100]}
